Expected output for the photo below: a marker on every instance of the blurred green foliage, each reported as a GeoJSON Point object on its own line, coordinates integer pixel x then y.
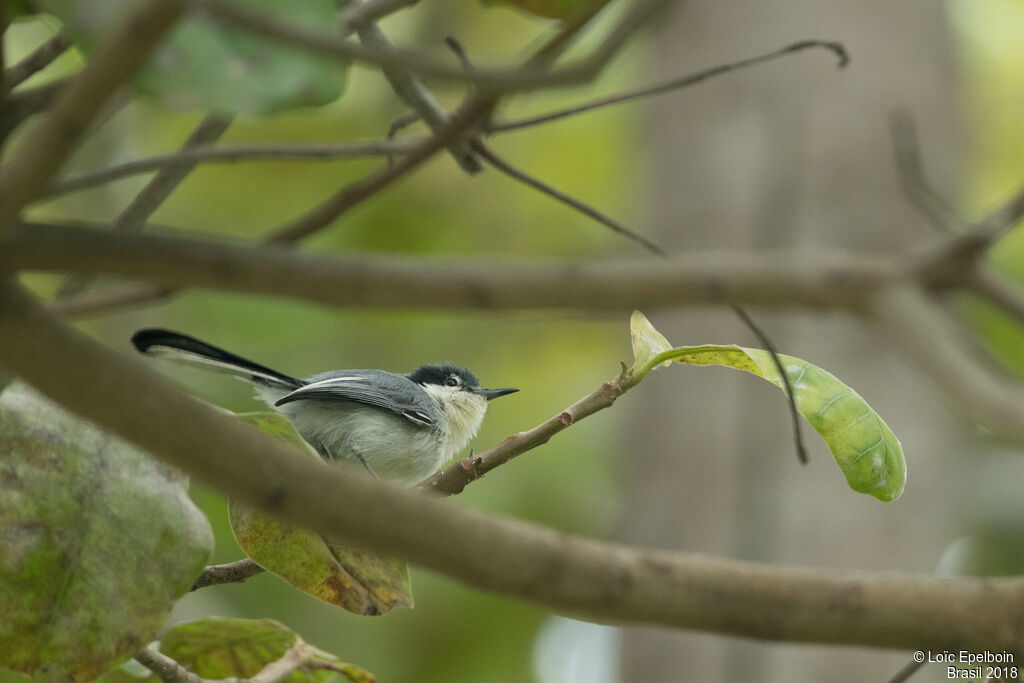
{"type": "Point", "coordinates": [454, 633]}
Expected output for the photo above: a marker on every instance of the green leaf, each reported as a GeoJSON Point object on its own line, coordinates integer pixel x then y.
{"type": "Point", "coordinates": [19, 9]}
{"type": "Point", "coordinates": [218, 648]}
{"type": "Point", "coordinates": [647, 341]}
{"type": "Point", "coordinates": [863, 446]}
{"type": "Point", "coordinates": [358, 580]}
{"type": "Point", "coordinates": [97, 540]}
{"type": "Point", "coordinates": [213, 67]}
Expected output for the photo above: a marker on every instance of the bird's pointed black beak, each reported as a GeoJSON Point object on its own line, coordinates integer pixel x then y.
{"type": "Point", "coordinates": [491, 394]}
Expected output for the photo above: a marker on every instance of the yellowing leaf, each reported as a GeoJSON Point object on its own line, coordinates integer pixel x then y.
{"type": "Point", "coordinates": [866, 450]}
{"type": "Point", "coordinates": [360, 581]}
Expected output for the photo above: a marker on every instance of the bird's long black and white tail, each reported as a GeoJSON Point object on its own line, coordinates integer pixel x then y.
{"type": "Point", "coordinates": [189, 350]}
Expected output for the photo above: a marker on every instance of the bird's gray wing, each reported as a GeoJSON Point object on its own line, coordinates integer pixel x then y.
{"type": "Point", "coordinates": [385, 390]}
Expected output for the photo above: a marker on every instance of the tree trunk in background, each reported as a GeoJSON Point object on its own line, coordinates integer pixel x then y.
{"type": "Point", "coordinates": [792, 153]}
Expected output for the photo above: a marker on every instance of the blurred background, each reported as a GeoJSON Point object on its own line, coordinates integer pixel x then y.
{"type": "Point", "coordinates": [794, 152]}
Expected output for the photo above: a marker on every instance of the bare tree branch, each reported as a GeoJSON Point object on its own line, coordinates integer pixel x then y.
{"type": "Point", "coordinates": [165, 668]}
{"type": "Point", "coordinates": [556, 194]}
{"type": "Point", "coordinates": [453, 480]}
{"type": "Point", "coordinates": [359, 149]}
{"type": "Point", "coordinates": [668, 86]}
{"type": "Point", "coordinates": [357, 14]}
{"type": "Point", "coordinates": [234, 153]}
{"type": "Point", "coordinates": [999, 290]}
{"type": "Point", "coordinates": [833, 279]}
{"type": "Point", "coordinates": [36, 61]}
{"type": "Point", "coordinates": [352, 195]}
{"type": "Point", "coordinates": [155, 193]}
{"type": "Point", "coordinates": [912, 179]}
{"type": "Point", "coordinates": [929, 339]}
{"type": "Point", "coordinates": [531, 77]}
{"type": "Point", "coordinates": [587, 578]}
{"type": "Point", "coordinates": [231, 572]}
{"type": "Point", "coordinates": [415, 94]}
{"type": "Point", "coordinates": [25, 176]}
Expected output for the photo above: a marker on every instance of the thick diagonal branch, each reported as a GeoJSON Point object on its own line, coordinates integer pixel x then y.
{"type": "Point", "coordinates": [587, 578]}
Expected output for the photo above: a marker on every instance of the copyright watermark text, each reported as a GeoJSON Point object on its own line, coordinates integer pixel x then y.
{"type": "Point", "coordinates": [965, 664]}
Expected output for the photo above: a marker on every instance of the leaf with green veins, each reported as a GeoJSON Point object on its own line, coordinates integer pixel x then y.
{"type": "Point", "coordinates": [218, 648]}
{"type": "Point", "coordinates": [97, 541]}
{"type": "Point", "coordinates": [863, 446]}
{"type": "Point", "coordinates": [360, 581]}
{"type": "Point", "coordinates": [205, 65]}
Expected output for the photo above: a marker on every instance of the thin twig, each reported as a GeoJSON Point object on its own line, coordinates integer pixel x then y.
{"type": "Point", "coordinates": [1003, 219]}
{"type": "Point", "coordinates": [587, 210]}
{"type": "Point", "coordinates": [296, 657]}
{"type": "Point", "coordinates": [912, 178]}
{"type": "Point", "coordinates": [798, 437]}
{"type": "Point", "coordinates": [416, 95]}
{"type": "Point", "coordinates": [25, 176]}
{"type": "Point", "coordinates": [165, 668]}
{"type": "Point", "coordinates": [327, 152]}
{"type": "Point", "coordinates": [453, 480]}
{"type": "Point", "coordinates": [531, 77]}
{"type": "Point", "coordinates": [357, 14]}
{"type": "Point", "coordinates": [20, 105]}
{"type": "Point", "coordinates": [231, 572]}
{"type": "Point", "coordinates": [355, 193]}
{"type": "Point", "coordinates": [235, 153]}
{"type": "Point", "coordinates": [155, 193]}
{"type": "Point", "coordinates": [667, 86]}
{"type": "Point", "coordinates": [36, 61]}
{"type": "Point", "coordinates": [476, 108]}
{"type": "Point", "coordinates": [998, 289]}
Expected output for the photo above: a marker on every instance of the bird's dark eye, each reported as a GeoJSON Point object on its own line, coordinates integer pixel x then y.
{"type": "Point", "coordinates": [452, 381]}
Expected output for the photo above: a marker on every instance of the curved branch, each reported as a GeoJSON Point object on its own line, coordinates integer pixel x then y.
{"type": "Point", "coordinates": [587, 578]}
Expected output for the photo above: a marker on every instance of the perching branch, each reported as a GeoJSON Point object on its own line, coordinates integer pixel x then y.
{"type": "Point", "coordinates": [587, 578]}
{"type": "Point", "coordinates": [453, 480]}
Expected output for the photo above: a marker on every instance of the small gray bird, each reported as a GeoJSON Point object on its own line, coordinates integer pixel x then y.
{"type": "Point", "coordinates": [399, 427]}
